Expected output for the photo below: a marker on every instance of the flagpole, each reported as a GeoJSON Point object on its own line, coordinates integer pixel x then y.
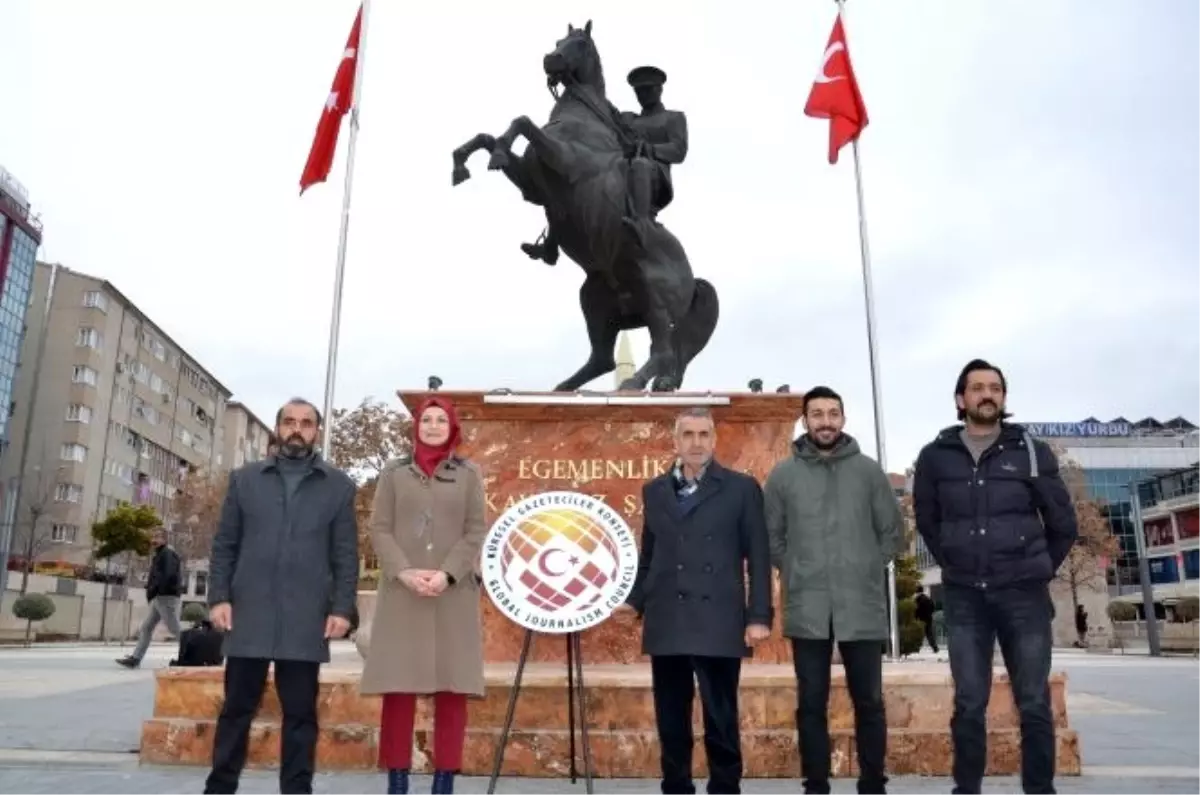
{"type": "Point", "coordinates": [340, 273]}
{"type": "Point", "coordinates": [873, 359]}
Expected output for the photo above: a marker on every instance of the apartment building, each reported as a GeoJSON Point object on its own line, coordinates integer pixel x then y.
{"type": "Point", "coordinates": [246, 436]}
{"type": "Point", "coordinates": [122, 411]}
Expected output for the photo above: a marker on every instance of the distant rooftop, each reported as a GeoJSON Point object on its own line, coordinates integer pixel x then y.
{"type": "Point", "coordinates": [136, 311]}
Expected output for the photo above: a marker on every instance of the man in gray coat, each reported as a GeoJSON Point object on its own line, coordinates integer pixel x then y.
{"type": "Point", "coordinates": [834, 524]}
{"type": "Point", "coordinates": [283, 581]}
{"type": "Point", "coordinates": [704, 536]}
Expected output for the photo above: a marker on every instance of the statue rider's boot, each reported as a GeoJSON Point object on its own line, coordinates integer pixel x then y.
{"type": "Point", "coordinates": [540, 251]}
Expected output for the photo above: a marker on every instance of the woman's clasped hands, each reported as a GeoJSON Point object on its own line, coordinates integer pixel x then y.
{"type": "Point", "coordinates": [424, 582]}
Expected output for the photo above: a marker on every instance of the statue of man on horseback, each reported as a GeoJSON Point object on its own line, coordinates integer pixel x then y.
{"type": "Point", "coordinates": [602, 177]}
{"type": "Point", "coordinates": [658, 140]}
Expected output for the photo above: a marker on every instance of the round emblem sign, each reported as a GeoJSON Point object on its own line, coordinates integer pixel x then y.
{"type": "Point", "coordinates": [559, 562]}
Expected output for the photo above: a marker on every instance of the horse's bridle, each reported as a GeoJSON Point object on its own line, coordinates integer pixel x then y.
{"type": "Point", "coordinates": [613, 123]}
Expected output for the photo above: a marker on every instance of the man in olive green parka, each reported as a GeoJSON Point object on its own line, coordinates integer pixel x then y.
{"type": "Point", "coordinates": [834, 525]}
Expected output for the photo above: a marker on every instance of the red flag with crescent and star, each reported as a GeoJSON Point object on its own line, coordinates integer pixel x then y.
{"type": "Point", "coordinates": [835, 95]}
{"type": "Point", "coordinates": [341, 95]}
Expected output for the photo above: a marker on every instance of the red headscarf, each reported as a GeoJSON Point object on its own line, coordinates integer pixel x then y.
{"type": "Point", "coordinates": [427, 456]}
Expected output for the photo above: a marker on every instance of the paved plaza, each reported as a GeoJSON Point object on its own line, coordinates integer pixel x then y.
{"type": "Point", "coordinates": [70, 722]}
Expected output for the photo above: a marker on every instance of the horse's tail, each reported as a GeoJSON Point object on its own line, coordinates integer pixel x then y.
{"type": "Point", "coordinates": [698, 324]}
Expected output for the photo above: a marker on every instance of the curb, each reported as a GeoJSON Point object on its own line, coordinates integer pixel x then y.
{"type": "Point", "coordinates": [32, 757]}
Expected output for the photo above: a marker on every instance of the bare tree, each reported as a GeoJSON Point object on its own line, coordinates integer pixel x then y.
{"type": "Point", "coordinates": [1085, 565]}
{"type": "Point", "coordinates": [196, 511]}
{"type": "Point", "coordinates": [33, 529]}
{"type": "Point", "coordinates": [364, 439]}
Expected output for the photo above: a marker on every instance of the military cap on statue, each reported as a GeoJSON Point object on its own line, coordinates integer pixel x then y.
{"type": "Point", "coordinates": [647, 76]}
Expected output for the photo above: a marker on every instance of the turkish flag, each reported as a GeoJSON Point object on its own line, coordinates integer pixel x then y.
{"type": "Point", "coordinates": [835, 95]}
{"type": "Point", "coordinates": [320, 157]}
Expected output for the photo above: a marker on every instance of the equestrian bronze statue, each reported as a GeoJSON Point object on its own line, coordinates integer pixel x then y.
{"type": "Point", "coordinates": [602, 177]}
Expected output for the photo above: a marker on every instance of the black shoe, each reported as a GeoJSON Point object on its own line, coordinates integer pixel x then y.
{"type": "Point", "coordinates": [443, 782]}
{"type": "Point", "coordinates": [397, 782]}
{"type": "Point", "coordinates": [129, 662]}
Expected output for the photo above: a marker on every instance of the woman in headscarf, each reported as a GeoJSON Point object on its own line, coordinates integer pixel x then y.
{"type": "Point", "coordinates": [427, 527]}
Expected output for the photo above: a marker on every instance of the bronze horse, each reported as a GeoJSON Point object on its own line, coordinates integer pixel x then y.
{"type": "Point", "coordinates": [575, 167]}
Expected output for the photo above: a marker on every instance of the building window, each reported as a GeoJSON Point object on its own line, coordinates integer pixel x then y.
{"type": "Point", "coordinates": [84, 375]}
{"type": "Point", "coordinates": [77, 412]}
{"type": "Point", "coordinates": [151, 414]}
{"type": "Point", "coordinates": [73, 452]}
{"type": "Point", "coordinates": [68, 492]}
{"type": "Point", "coordinates": [201, 583]}
{"type": "Point", "coordinates": [94, 299]}
{"type": "Point", "coordinates": [88, 338]}
{"type": "Point", "coordinates": [64, 533]}
{"type": "Point", "coordinates": [1163, 570]}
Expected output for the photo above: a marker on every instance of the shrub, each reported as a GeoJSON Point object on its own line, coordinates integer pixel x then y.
{"type": "Point", "coordinates": [1188, 609]}
{"type": "Point", "coordinates": [911, 631]}
{"type": "Point", "coordinates": [193, 613]}
{"type": "Point", "coordinates": [32, 607]}
{"type": "Point", "coordinates": [1122, 611]}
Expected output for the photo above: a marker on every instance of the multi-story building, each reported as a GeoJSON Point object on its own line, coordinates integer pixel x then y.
{"type": "Point", "coordinates": [1114, 455]}
{"type": "Point", "coordinates": [246, 436]}
{"type": "Point", "coordinates": [20, 236]}
{"type": "Point", "coordinates": [1170, 507]}
{"type": "Point", "coordinates": [122, 412]}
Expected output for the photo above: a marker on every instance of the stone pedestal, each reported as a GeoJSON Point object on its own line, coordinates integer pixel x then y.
{"type": "Point", "coordinates": [620, 717]}
{"type": "Point", "coordinates": [607, 446]}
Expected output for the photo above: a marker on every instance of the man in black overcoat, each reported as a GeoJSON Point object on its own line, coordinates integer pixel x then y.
{"type": "Point", "coordinates": [704, 532]}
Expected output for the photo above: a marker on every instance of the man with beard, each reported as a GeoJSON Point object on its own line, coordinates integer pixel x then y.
{"type": "Point", "coordinates": [283, 580]}
{"type": "Point", "coordinates": [998, 519]}
{"type": "Point", "coordinates": [834, 524]}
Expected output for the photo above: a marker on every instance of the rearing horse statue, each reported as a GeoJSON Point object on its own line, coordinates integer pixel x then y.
{"type": "Point", "coordinates": [576, 168]}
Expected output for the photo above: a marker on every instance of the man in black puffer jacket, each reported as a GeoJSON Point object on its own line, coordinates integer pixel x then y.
{"type": "Point", "coordinates": [997, 517]}
{"type": "Point", "coordinates": [164, 586]}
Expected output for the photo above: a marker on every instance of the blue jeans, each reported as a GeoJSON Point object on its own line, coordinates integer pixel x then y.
{"type": "Point", "coordinates": [1019, 617]}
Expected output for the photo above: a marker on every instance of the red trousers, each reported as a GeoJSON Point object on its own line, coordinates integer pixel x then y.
{"type": "Point", "coordinates": [396, 730]}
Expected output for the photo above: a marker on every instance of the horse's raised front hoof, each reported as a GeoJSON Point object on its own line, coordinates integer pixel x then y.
{"type": "Point", "coordinates": [461, 175]}
{"type": "Point", "coordinates": [665, 383]}
{"type": "Point", "coordinates": [498, 160]}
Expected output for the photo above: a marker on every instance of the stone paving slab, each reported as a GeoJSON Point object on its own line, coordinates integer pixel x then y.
{"type": "Point", "coordinates": [161, 781]}
{"type": "Point", "coordinates": [70, 721]}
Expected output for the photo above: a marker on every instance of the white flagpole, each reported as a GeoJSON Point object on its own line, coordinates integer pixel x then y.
{"type": "Point", "coordinates": [340, 274]}
{"type": "Point", "coordinates": [873, 359]}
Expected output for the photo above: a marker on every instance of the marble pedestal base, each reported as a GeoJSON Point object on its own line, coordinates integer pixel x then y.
{"type": "Point", "coordinates": [621, 719]}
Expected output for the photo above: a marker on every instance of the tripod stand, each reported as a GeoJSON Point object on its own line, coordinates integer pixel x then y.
{"type": "Point", "coordinates": [576, 710]}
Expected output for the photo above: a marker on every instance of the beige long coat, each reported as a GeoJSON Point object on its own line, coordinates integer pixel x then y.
{"type": "Point", "coordinates": [421, 644]}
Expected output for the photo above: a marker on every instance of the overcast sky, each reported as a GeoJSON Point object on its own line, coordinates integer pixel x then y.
{"type": "Point", "coordinates": [1030, 173]}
